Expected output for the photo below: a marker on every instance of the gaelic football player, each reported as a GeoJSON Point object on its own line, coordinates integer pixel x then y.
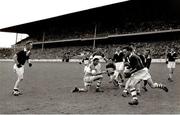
{"type": "Point", "coordinates": [118, 59]}
{"type": "Point", "coordinates": [20, 59]}
{"type": "Point", "coordinates": [138, 73]}
{"type": "Point", "coordinates": [113, 74]}
{"type": "Point", "coordinates": [147, 64]}
{"type": "Point", "coordinates": [171, 63]}
{"type": "Point", "coordinates": [98, 54]}
{"type": "Point", "coordinates": [92, 73]}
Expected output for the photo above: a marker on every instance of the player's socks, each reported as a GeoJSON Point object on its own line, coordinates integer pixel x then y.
{"type": "Point", "coordinates": [144, 87]}
{"type": "Point", "coordinates": [138, 92]}
{"type": "Point", "coordinates": [125, 93]}
{"type": "Point", "coordinates": [170, 77]}
{"type": "Point", "coordinates": [98, 86]}
{"type": "Point", "coordinates": [133, 93]}
{"type": "Point", "coordinates": [161, 86]}
{"type": "Point", "coordinates": [134, 100]}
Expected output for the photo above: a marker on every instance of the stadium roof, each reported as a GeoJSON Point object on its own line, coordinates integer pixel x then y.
{"type": "Point", "coordinates": [136, 9]}
{"type": "Point", "coordinates": [40, 24]}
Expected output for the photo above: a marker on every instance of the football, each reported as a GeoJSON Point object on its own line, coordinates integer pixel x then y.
{"type": "Point", "coordinates": [93, 71]}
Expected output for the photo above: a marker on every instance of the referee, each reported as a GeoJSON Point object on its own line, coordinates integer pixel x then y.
{"type": "Point", "coordinates": [20, 59]}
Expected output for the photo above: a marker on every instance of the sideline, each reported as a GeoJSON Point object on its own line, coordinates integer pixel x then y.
{"type": "Point", "coordinates": [77, 60]}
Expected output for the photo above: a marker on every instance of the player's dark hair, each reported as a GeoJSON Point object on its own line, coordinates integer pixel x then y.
{"type": "Point", "coordinates": [128, 48]}
{"type": "Point", "coordinates": [28, 42]}
{"type": "Point", "coordinates": [95, 59]}
{"type": "Point", "coordinates": [111, 65]}
{"type": "Point", "coordinates": [148, 50]}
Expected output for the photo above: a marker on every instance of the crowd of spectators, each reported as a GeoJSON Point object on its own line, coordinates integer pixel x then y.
{"type": "Point", "coordinates": [158, 50]}
{"type": "Point", "coordinates": [58, 53]}
{"type": "Point", "coordinates": [6, 53]}
{"type": "Point", "coordinates": [103, 30]}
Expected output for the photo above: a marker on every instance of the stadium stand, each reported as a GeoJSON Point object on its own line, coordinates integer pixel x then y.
{"type": "Point", "coordinates": [157, 49]}
{"type": "Point", "coordinates": [56, 36]}
{"type": "Point", "coordinates": [6, 53]}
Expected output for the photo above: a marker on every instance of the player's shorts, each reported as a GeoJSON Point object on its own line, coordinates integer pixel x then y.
{"type": "Point", "coordinates": [142, 74]}
{"type": "Point", "coordinates": [98, 68]}
{"type": "Point", "coordinates": [86, 62]}
{"type": "Point", "coordinates": [119, 66]}
{"type": "Point", "coordinates": [19, 71]}
{"type": "Point", "coordinates": [89, 79]}
{"type": "Point", "coordinates": [86, 68]}
{"type": "Point", "coordinates": [138, 76]}
{"type": "Point", "coordinates": [171, 64]}
{"type": "Point", "coordinates": [114, 76]}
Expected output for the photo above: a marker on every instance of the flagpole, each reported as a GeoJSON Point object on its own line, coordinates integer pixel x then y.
{"type": "Point", "coordinates": [94, 41]}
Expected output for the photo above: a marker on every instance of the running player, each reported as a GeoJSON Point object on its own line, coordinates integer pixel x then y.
{"type": "Point", "coordinates": [118, 59]}
{"type": "Point", "coordinates": [20, 58]}
{"type": "Point", "coordinates": [147, 64]}
{"type": "Point", "coordinates": [138, 73]}
{"type": "Point", "coordinates": [171, 63]}
{"type": "Point", "coordinates": [146, 61]}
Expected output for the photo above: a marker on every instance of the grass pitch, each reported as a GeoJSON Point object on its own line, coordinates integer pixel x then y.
{"type": "Point", "coordinates": [47, 89]}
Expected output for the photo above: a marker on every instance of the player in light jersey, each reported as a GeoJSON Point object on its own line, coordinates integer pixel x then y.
{"type": "Point", "coordinates": [85, 61]}
{"type": "Point", "coordinates": [98, 54]}
{"type": "Point", "coordinates": [92, 73]}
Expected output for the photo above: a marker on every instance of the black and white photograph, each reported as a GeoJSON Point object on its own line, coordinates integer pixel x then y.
{"type": "Point", "coordinates": [89, 56]}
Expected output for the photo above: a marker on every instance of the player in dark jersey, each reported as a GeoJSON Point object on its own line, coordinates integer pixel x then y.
{"type": "Point", "coordinates": [142, 57]}
{"type": "Point", "coordinates": [171, 63]}
{"type": "Point", "coordinates": [147, 64]}
{"type": "Point", "coordinates": [118, 59]}
{"type": "Point", "coordinates": [138, 73]}
{"type": "Point", "coordinates": [148, 58]}
{"type": "Point", "coordinates": [20, 59]}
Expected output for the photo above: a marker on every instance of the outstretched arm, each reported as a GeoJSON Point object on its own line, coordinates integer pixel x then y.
{"type": "Point", "coordinates": [15, 59]}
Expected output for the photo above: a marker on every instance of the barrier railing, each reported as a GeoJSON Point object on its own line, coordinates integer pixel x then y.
{"type": "Point", "coordinates": [78, 60]}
